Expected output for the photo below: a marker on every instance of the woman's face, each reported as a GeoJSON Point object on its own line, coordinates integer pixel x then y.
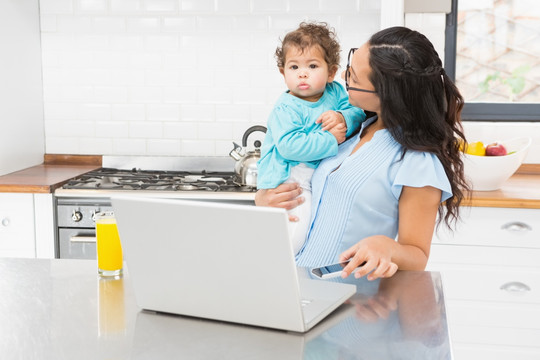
{"type": "Point", "coordinates": [359, 78]}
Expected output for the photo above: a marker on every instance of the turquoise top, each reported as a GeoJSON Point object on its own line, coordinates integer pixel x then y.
{"type": "Point", "coordinates": [360, 198]}
{"type": "Point", "coordinates": [293, 137]}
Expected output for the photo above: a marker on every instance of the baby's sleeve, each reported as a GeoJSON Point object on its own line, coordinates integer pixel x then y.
{"type": "Point", "coordinates": [420, 169]}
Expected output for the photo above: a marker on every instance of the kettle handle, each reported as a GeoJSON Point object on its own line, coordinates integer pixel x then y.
{"type": "Point", "coordinates": [249, 131]}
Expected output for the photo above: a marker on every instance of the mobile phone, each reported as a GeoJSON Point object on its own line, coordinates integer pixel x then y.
{"type": "Point", "coordinates": [334, 270]}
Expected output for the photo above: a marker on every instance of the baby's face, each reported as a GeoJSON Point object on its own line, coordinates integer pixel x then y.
{"type": "Point", "coordinates": [306, 73]}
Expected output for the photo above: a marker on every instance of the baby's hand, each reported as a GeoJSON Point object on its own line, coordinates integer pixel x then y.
{"type": "Point", "coordinates": [339, 131]}
{"type": "Point", "coordinates": [330, 119]}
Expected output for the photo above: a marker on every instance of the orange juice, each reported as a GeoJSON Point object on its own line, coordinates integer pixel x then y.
{"type": "Point", "coordinates": [109, 249]}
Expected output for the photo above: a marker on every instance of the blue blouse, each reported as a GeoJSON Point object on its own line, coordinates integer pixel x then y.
{"type": "Point", "coordinates": [360, 198]}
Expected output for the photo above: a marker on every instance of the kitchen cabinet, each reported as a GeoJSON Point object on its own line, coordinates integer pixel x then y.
{"type": "Point", "coordinates": [489, 237]}
{"type": "Point", "coordinates": [22, 139]}
{"type": "Point", "coordinates": [17, 225]}
{"type": "Point", "coordinates": [26, 225]}
{"type": "Point", "coordinates": [492, 317]}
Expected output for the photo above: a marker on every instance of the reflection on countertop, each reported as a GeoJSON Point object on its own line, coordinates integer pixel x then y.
{"type": "Point", "coordinates": [61, 309]}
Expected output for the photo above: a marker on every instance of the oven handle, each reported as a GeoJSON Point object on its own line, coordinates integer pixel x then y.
{"type": "Point", "coordinates": [82, 239]}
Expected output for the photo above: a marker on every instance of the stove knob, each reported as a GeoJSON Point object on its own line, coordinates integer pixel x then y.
{"type": "Point", "coordinates": [76, 216]}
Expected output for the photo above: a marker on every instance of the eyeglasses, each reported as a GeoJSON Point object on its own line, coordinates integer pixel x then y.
{"type": "Point", "coordinates": [348, 74]}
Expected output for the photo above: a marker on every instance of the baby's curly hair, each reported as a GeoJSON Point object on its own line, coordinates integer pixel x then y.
{"type": "Point", "coordinates": [311, 34]}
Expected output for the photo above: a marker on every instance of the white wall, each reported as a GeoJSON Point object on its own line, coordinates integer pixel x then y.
{"type": "Point", "coordinates": [187, 77]}
{"type": "Point", "coordinates": [172, 77]}
{"type": "Point", "coordinates": [21, 91]}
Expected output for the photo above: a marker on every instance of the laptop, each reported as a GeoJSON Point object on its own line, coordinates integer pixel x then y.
{"type": "Point", "coordinates": [220, 261]}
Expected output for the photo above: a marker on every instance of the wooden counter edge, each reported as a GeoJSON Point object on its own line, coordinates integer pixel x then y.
{"type": "Point", "coordinates": [35, 184]}
{"type": "Point", "coordinates": [502, 203]}
{"type": "Point", "coordinates": [532, 169]}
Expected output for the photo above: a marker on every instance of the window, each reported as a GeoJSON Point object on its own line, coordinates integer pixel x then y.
{"type": "Point", "coordinates": [493, 54]}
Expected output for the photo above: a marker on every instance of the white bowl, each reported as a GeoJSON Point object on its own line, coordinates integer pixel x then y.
{"type": "Point", "coordinates": [487, 173]}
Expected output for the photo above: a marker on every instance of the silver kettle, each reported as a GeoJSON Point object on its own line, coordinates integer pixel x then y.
{"type": "Point", "coordinates": [245, 167]}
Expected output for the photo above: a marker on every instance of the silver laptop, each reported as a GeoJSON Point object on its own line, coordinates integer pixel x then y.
{"type": "Point", "coordinates": [220, 261]}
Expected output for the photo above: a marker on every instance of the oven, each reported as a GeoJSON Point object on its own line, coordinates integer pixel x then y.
{"type": "Point", "coordinates": [75, 230]}
{"type": "Point", "coordinates": [78, 201]}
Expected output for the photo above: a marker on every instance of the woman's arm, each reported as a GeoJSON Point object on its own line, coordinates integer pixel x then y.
{"type": "Point", "coordinates": [417, 216]}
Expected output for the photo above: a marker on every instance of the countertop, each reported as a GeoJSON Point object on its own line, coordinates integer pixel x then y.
{"type": "Point", "coordinates": [522, 190]}
{"type": "Point", "coordinates": [60, 309]}
{"type": "Point", "coordinates": [47, 177]}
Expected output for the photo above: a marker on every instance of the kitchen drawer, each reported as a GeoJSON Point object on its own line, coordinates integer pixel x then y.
{"type": "Point", "coordinates": [494, 227]}
{"type": "Point", "coordinates": [512, 287]}
{"type": "Point", "coordinates": [459, 256]}
{"type": "Point", "coordinates": [493, 352]}
{"type": "Point", "coordinates": [17, 225]}
{"type": "Point", "coordinates": [493, 315]}
{"type": "Point", "coordinates": [514, 341]}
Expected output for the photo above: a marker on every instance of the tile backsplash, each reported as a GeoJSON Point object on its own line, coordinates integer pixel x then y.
{"type": "Point", "coordinates": [172, 77]}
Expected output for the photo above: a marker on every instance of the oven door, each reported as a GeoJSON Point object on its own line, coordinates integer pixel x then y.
{"type": "Point", "coordinates": [77, 243]}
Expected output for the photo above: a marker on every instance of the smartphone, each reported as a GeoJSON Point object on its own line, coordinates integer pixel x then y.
{"type": "Point", "coordinates": [334, 270]}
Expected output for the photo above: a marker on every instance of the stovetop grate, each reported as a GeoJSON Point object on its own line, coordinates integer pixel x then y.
{"type": "Point", "coordinates": [157, 180]}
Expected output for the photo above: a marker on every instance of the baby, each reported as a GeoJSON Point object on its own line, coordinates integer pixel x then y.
{"type": "Point", "coordinates": [309, 120]}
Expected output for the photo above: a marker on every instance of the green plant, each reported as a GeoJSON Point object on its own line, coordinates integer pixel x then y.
{"type": "Point", "coordinates": [514, 81]}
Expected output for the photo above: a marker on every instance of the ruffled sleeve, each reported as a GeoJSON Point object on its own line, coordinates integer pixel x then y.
{"type": "Point", "coordinates": [419, 169]}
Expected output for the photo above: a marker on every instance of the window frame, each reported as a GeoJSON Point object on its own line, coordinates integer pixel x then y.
{"type": "Point", "coordinates": [515, 112]}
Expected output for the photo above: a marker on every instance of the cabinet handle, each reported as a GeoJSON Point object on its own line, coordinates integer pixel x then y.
{"type": "Point", "coordinates": [80, 239]}
{"type": "Point", "coordinates": [5, 222]}
{"type": "Point", "coordinates": [516, 226]}
{"type": "Point", "coordinates": [515, 287]}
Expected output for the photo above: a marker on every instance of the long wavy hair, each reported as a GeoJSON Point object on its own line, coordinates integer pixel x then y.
{"type": "Point", "coordinates": [420, 105]}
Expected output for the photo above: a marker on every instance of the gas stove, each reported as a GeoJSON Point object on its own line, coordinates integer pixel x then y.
{"type": "Point", "coordinates": [106, 182]}
{"type": "Point", "coordinates": [155, 180]}
{"type": "Point", "coordinates": [82, 197]}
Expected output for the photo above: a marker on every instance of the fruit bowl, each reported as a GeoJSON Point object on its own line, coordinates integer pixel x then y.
{"type": "Point", "coordinates": [487, 173]}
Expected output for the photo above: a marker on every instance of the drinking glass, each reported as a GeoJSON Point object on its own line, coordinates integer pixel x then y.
{"type": "Point", "coordinates": [109, 249]}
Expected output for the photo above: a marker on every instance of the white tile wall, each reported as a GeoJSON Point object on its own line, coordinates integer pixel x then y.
{"type": "Point", "coordinates": [172, 77]}
{"type": "Point", "coordinates": [188, 77]}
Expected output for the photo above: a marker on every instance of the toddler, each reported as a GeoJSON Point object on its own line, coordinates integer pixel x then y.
{"type": "Point", "coordinates": [309, 120]}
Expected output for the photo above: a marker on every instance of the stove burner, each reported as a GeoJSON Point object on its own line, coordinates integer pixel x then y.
{"type": "Point", "coordinates": [155, 180]}
{"type": "Point", "coordinates": [187, 187]}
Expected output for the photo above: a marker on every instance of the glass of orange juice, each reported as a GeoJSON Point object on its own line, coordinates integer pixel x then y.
{"type": "Point", "coordinates": [109, 249]}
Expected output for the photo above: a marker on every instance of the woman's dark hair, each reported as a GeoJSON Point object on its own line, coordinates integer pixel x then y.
{"type": "Point", "coordinates": [420, 105]}
{"type": "Point", "coordinates": [311, 34]}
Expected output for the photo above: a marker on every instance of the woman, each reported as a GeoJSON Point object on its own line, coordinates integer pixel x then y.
{"type": "Point", "coordinates": [396, 175]}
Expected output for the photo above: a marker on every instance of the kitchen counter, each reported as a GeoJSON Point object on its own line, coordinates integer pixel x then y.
{"type": "Point", "coordinates": [53, 173]}
{"type": "Point", "coordinates": [60, 309]}
{"type": "Point", "coordinates": [522, 190]}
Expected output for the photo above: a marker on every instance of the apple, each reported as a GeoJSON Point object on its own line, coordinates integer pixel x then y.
{"type": "Point", "coordinates": [495, 149]}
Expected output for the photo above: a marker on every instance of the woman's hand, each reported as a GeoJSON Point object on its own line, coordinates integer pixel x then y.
{"type": "Point", "coordinates": [376, 251]}
{"type": "Point", "coordinates": [285, 196]}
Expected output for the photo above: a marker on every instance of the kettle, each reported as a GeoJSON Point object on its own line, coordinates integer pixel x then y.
{"type": "Point", "coordinates": [245, 167]}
